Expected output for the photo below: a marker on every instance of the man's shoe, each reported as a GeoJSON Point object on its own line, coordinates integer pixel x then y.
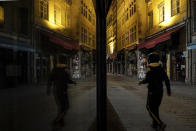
{"type": "Point", "coordinates": [154, 126]}
{"type": "Point", "coordinates": [162, 127]}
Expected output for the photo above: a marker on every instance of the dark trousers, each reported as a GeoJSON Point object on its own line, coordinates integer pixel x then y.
{"type": "Point", "coordinates": [62, 105]}
{"type": "Point", "coordinates": [153, 103]}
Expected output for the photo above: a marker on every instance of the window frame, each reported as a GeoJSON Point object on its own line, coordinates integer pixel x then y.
{"type": "Point", "coordinates": [150, 20]}
{"type": "Point", "coordinates": [161, 8]}
{"type": "Point", "coordinates": [175, 7]}
{"type": "Point", "coordinates": [44, 11]}
{"type": "Point", "coordinates": [194, 16]}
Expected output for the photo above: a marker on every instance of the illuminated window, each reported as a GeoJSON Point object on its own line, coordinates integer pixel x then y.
{"type": "Point", "coordinates": [175, 7]}
{"type": "Point", "coordinates": [127, 14]}
{"type": "Point", "coordinates": [132, 8]}
{"type": "Point", "coordinates": [44, 9]}
{"type": "Point", "coordinates": [86, 11]}
{"type": "Point", "coordinates": [194, 16]}
{"type": "Point", "coordinates": [123, 40]}
{"type": "Point", "coordinates": [1, 15]}
{"type": "Point", "coordinates": [127, 38]}
{"type": "Point", "coordinates": [57, 15]}
{"type": "Point", "coordinates": [161, 12]}
{"type": "Point", "coordinates": [132, 34]}
{"type": "Point", "coordinates": [150, 20]}
{"type": "Point", "coordinates": [90, 39]}
{"type": "Point", "coordinates": [85, 35]}
{"type": "Point", "coordinates": [89, 15]}
{"type": "Point", "coordinates": [82, 6]}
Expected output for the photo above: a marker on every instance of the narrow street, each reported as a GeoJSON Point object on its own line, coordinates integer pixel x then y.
{"type": "Point", "coordinates": [177, 111]}
{"type": "Point", "coordinates": [27, 108]}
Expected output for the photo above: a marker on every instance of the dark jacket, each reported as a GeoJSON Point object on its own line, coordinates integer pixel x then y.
{"type": "Point", "coordinates": [60, 80]}
{"type": "Point", "coordinates": [155, 77]}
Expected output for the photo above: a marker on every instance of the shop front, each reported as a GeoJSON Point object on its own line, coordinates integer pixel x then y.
{"type": "Point", "coordinates": [171, 47]}
{"type": "Point", "coordinates": [15, 62]}
{"type": "Point", "coordinates": [131, 63]}
{"type": "Point", "coordinates": [51, 49]}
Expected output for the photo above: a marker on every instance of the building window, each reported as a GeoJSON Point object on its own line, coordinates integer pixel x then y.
{"type": "Point", "coordinates": [175, 7]}
{"type": "Point", "coordinates": [57, 15]}
{"type": "Point", "coordinates": [161, 12]}
{"type": "Point", "coordinates": [89, 15]}
{"type": "Point", "coordinates": [23, 20]}
{"type": "Point", "coordinates": [127, 14]}
{"type": "Point", "coordinates": [94, 41]}
{"type": "Point", "coordinates": [82, 6]}
{"type": "Point", "coordinates": [82, 34]}
{"type": "Point", "coordinates": [44, 9]}
{"type": "Point", "coordinates": [150, 20]}
{"type": "Point", "coordinates": [90, 39]}
{"type": "Point", "coordinates": [127, 38]}
{"type": "Point", "coordinates": [1, 15]}
{"type": "Point", "coordinates": [194, 15]}
{"type": "Point", "coordinates": [132, 8]}
{"type": "Point", "coordinates": [123, 40]}
{"type": "Point", "coordinates": [85, 36]}
{"type": "Point", "coordinates": [132, 35]}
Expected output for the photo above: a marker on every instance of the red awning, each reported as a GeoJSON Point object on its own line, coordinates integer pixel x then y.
{"type": "Point", "coordinates": [67, 44]}
{"type": "Point", "coordinates": [114, 55]}
{"type": "Point", "coordinates": [154, 41]}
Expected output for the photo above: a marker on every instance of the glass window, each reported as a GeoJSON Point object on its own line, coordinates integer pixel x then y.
{"type": "Point", "coordinates": [57, 15]}
{"type": "Point", "coordinates": [175, 7]}
{"type": "Point", "coordinates": [44, 9]}
{"type": "Point", "coordinates": [127, 38]}
{"type": "Point", "coordinates": [194, 12]}
{"type": "Point", "coordinates": [161, 12]}
{"type": "Point", "coordinates": [150, 20]}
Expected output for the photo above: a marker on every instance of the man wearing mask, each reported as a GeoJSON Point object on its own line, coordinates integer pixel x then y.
{"type": "Point", "coordinates": [60, 78]}
{"type": "Point", "coordinates": [154, 77]}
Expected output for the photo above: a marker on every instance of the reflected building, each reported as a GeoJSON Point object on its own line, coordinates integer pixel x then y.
{"type": "Point", "coordinates": [36, 34]}
{"type": "Point", "coordinates": [147, 26]}
{"type": "Point", "coordinates": [16, 49]}
{"type": "Point", "coordinates": [130, 16]}
{"type": "Point", "coordinates": [111, 38]}
{"type": "Point", "coordinates": [191, 44]}
{"type": "Point", "coordinates": [165, 32]}
{"type": "Point", "coordinates": [64, 29]}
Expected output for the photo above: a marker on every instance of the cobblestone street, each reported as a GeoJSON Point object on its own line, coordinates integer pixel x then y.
{"type": "Point", "coordinates": [27, 108]}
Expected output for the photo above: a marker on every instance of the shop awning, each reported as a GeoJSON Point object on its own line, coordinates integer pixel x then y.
{"type": "Point", "coordinates": [161, 38]}
{"type": "Point", "coordinates": [66, 43]}
{"type": "Point", "coordinates": [112, 56]}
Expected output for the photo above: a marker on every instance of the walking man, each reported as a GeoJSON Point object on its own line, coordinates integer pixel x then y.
{"type": "Point", "coordinates": [154, 77]}
{"type": "Point", "coordinates": [60, 79]}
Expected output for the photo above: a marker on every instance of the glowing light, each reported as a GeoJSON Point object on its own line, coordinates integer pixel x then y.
{"type": "Point", "coordinates": [111, 46]}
